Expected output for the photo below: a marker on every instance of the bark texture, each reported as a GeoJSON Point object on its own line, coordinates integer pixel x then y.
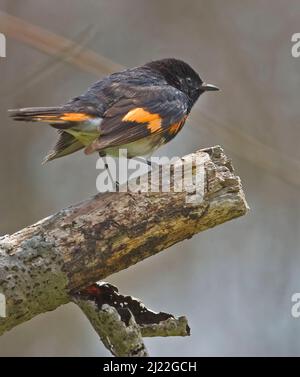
{"type": "Point", "coordinates": [122, 321]}
{"type": "Point", "coordinates": [43, 265]}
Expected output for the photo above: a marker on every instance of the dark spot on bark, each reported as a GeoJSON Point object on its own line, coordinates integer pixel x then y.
{"type": "Point", "coordinates": [193, 216]}
{"type": "Point", "coordinates": [138, 229]}
{"type": "Point", "coordinates": [188, 330]}
{"type": "Point", "coordinates": [125, 305]}
{"type": "Point", "coordinates": [185, 212]}
{"type": "Point", "coordinates": [76, 249]}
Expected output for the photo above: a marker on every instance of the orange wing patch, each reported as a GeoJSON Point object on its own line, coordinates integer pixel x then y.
{"type": "Point", "coordinates": [175, 127]}
{"type": "Point", "coordinates": [139, 115]}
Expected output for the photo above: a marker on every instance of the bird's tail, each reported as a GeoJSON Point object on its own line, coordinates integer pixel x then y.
{"type": "Point", "coordinates": [58, 117]}
{"type": "Point", "coordinates": [66, 144]}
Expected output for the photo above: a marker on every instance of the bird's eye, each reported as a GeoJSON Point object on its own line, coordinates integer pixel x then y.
{"type": "Point", "coordinates": [189, 80]}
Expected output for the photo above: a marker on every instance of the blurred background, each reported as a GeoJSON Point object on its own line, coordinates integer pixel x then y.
{"type": "Point", "coordinates": [234, 282]}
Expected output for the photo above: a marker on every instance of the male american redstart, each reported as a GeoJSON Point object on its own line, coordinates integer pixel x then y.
{"type": "Point", "coordinates": [138, 109]}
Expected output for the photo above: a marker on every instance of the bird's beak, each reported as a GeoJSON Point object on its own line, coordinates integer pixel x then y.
{"type": "Point", "coordinates": [208, 87]}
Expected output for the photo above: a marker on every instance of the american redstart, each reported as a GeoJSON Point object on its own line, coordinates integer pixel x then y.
{"type": "Point", "coordinates": [138, 109]}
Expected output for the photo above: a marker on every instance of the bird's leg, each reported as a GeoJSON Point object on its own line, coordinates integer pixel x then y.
{"type": "Point", "coordinates": [107, 169]}
{"type": "Point", "coordinates": [152, 164]}
{"type": "Point", "coordinates": [147, 161]}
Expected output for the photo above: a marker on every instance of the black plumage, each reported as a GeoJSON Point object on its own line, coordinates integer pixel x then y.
{"type": "Point", "coordinates": [139, 108]}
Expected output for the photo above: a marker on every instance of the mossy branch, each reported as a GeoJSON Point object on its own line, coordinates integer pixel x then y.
{"type": "Point", "coordinates": [46, 264]}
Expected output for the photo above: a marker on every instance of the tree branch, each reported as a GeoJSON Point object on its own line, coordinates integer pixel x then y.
{"type": "Point", "coordinates": [115, 325]}
{"type": "Point", "coordinates": [122, 321]}
{"type": "Point", "coordinates": [44, 265]}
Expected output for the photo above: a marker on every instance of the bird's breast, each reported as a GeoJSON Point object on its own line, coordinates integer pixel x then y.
{"type": "Point", "coordinates": [142, 147]}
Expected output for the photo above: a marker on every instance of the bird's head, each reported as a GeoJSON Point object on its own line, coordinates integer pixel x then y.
{"type": "Point", "coordinates": [182, 76]}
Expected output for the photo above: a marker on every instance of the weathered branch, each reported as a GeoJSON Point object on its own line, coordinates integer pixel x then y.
{"type": "Point", "coordinates": [43, 265]}
{"type": "Point", "coordinates": [122, 321]}
{"type": "Point", "coordinates": [115, 325]}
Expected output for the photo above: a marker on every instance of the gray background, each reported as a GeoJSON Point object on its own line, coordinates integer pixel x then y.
{"type": "Point", "coordinates": [233, 282]}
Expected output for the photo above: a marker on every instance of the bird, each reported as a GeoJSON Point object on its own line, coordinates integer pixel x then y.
{"type": "Point", "coordinates": [138, 109]}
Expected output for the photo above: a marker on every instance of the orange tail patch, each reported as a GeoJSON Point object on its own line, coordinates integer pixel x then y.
{"type": "Point", "coordinates": [62, 118]}
{"type": "Point", "coordinates": [48, 114]}
{"type": "Point", "coordinates": [75, 117]}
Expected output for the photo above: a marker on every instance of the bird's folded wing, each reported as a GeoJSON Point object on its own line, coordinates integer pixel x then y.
{"type": "Point", "coordinates": [151, 110]}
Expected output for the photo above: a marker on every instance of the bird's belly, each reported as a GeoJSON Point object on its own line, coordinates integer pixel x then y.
{"type": "Point", "coordinates": [86, 132]}
{"type": "Point", "coordinates": [142, 147]}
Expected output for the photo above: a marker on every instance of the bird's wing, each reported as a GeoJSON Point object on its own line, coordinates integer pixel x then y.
{"type": "Point", "coordinates": [149, 111]}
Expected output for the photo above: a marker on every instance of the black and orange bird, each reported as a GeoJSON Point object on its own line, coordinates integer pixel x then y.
{"type": "Point", "coordinates": [138, 109]}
